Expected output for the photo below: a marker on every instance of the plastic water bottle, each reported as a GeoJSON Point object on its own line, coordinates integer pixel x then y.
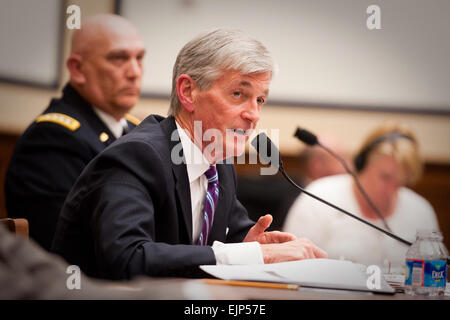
{"type": "Point", "coordinates": [426, 262]}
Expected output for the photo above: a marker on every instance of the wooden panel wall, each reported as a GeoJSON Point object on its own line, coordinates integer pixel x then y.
{"type": "Point", "coordinates": [7, 143]}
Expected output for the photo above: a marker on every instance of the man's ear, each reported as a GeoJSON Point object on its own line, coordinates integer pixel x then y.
{"type": "Point", "coordinates": [73, 64]}
{"type": "Point", "coordinates": [186, 90]}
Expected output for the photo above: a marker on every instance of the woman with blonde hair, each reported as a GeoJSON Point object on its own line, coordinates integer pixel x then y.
{"type": "Point", "coordinates": [387, 162]}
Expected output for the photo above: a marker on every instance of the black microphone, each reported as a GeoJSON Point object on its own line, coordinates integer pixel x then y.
{"type": "Point", "coordinates": [264, 146]}
{"type": "Point", "coordinates": [311, 139]}
{"type": "Point", "coordinates": [307, 137]}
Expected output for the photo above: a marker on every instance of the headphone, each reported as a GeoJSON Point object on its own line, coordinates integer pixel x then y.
{"type": "Point", "coordinates": [361, 158]}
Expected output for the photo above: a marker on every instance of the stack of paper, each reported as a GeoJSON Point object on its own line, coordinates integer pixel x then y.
{"type": "Point", "coordinates": [396, 281]}
{"type": "Point", "coordinates": [319, 273]}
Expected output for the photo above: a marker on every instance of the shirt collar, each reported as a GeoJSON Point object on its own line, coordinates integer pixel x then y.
{"type": "Point", "coordinates": [196, 163]}
{"type": "Point", "coordinates": [116, 127]}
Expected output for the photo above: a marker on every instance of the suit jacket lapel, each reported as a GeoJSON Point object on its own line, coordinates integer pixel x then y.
{"type": "Point", "coordinates": [183, 192]}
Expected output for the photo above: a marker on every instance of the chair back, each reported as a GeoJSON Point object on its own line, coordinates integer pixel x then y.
{"type": "Point", "coordinates": [18, 226]}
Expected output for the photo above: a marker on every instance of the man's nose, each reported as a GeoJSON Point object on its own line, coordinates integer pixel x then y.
{"type": "Point", "coordinates": [134, 69]}
{"type": "Point", "coordinates": [252, 113]}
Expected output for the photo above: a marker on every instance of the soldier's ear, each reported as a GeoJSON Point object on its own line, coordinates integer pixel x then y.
{"type": "Point", "coordinates": [186, 91]}
{"type": "Point", "coordinates": [74, 63]}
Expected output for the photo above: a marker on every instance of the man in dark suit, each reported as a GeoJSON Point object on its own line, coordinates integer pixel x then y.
{"type": "Point", "coordinates": [159, 201]}
{"type": "Point", "coordinates": [105, 68]}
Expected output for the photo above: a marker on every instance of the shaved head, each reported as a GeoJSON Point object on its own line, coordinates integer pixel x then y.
{"type": "Point", "coordinates": [99, 29]}
{"type": "Point", "coordinates": [105, 63]}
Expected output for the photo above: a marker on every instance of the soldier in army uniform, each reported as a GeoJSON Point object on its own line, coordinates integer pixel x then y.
{"type": "Point", "coordinates": [105, 66]}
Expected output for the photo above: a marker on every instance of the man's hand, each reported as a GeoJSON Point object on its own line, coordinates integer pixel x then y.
{"type": "Point", "coordinates": [257, 232]}
{"type": "Point", "coordinates": [281, 246]}
{"type": "Point", "coordinates": [298, 249]}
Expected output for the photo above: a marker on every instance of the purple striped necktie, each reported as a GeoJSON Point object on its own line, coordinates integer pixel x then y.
{"type": "Point", "coordinates": [212, 195]}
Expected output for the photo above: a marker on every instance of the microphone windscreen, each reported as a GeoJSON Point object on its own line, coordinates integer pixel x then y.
{"type": "Point", "coordinates": [266, 149]}
{"type": "Point", "coordinates": [306, 137]}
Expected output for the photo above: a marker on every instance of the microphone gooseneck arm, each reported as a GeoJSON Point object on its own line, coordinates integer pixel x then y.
{"type": "Point", "coordinates": [281, 169]}
{"type": "Point", "coordinates": [358, 185]}
{"type": "Point", "coordinates": [272, 149]}
{"type": "Point", "coordinates": [311, 139]}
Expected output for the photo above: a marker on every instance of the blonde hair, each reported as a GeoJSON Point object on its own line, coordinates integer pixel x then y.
{"type": "Point", "coordinates": [395, 140]}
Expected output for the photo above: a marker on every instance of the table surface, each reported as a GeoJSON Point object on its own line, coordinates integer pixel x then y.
{"type": "Point", "coordinates": [198, 289]}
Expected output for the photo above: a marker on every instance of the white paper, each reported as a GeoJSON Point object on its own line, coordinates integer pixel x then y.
{"type": "Point", "coordinates": [319, 273]}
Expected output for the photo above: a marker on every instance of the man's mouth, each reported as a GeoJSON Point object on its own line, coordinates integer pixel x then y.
{"type": "Point", "coordinates": [131, 91]}
{"type": "Point", "coordinates": [242, 132]}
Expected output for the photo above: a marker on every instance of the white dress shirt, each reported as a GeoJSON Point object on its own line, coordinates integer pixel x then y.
{"type": "Point", "coordinates": [116, 127]}
{"type": "Point", "coordinates": [197, 165]}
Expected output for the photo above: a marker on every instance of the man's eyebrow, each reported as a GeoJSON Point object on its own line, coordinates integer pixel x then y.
{"type": "Point", "coordinates": [116, 52]}
{"type": "Point", "coordinates": [120, 51]}
{"type": "Point", "coordinates": [142, 51]}
{"type": "Point", "coordinates": [249, 85]}
{"type": "Point", "coordinates": [245, 84]}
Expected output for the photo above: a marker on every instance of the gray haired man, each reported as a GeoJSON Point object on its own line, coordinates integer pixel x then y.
{"type": "Point", "coordinates": [137, 210]}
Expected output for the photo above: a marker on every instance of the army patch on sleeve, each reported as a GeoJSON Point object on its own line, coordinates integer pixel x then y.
{"type": "Point", "coordinates": [61, 119]}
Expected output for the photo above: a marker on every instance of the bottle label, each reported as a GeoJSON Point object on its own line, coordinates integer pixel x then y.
{"type": "Point", "coordinates": [426, 273]}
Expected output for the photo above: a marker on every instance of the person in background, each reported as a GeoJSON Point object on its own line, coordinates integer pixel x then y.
{"type": "Point", "coordinates": [161, 201]}
{"type": "Point", "coordinates": [105, 66]}
{"type": "Point", "coordinates": [316, 163]}
{"type": "Point", "coordinates": [387, 162]}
